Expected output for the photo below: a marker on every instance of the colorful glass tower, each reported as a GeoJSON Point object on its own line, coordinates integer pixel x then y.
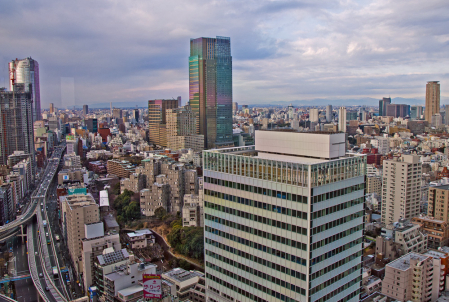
{"type": "Point", "coordinates": [210, 89]}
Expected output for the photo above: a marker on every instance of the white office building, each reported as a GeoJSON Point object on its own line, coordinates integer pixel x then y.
{"type": "Point", "coordinates": [284, 219]}
{"type": "Point", "coordinates": [342, 119]}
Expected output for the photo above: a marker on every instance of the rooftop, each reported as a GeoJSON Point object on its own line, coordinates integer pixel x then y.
{"type": "Point", "coordinates": [403, 263]}
{"type": "Point", "coordinates": [113, 257]}
{"type": "Point", "coordinates": [180, 275]}
{"type": "Point", "coordinates": [134, 289]}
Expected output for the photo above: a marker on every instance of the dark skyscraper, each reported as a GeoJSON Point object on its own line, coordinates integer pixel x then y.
{"type": "Point", "coordinates": [383, 106]}
{"type": "Point", "coordinates": [26, 71]}
{"type": "Point", "coordinates": [85, 109]}
{"type": "Point", "coordinates": [210, 89]}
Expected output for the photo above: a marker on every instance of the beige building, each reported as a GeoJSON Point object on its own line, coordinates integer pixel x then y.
{"type": "Point", "coordinates": [157, 110]}
{"type": "Point", "coordinates": [193, 211]}
{"type": "Point", "coordinates": [195, 142]}
{"type": "Point", "coordinates": [134, 183]}
{"type": "Point", "coordinates": [190, 285]}
{"type": "Point", "coordinates": [413, 277]}
{"type": "Point", "coordinates": [432, 100]}
{"type": "Point", "coordinates": [437, 231]}
{"type": "Point", "coordinates": [174, 173]}
{"type": "Point", "coordinates": [438, 202]}
{"type": "Point", "coordinates": [155, 196]}
{"type": "Point", "coordinates": [182, 129]}
{"type": "Point", "coordinates": [94, 243]}
{"type": "Point", "coordinates": [77, 211]}
{"type": "Point", "coordinates": [401, 188]}
{"type": "Point", "coordinates": [140, 239]}
{"type": "Point", "coordinates": [374, 184]}
{"type": "Point", "coordinates": [120, 168]}
{"type": "Point", "coordinates": [72, 161]}
{"type": "Point", "coordinates": [190, 182]}
{"type": "Point", "coordinates": [401, 238]}
{"type": "Point", "coordinates": [72, 175]}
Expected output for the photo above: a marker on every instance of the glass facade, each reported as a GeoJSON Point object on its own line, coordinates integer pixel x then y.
{"type": "Point", "coordinates": [210, 89]}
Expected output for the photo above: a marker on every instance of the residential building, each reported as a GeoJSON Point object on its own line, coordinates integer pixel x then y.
{"type": "Point", "coordinates": [189, 284]}
{"type": "Point", "coordinates": [157, 120]}
{"type": "Point", "coordinates": [120, 168]}
{"type": "Point", "coordinates": [155, 196]}
{"type": "Point", "coordinates": [342, 119]}
{"type": "Point", "coordinates": [437, 231]}
{"type": "Point", "coordinates": [313, 115]}
{"type": "Point", "coordinates": [374, 184]}
{"type": "Point", "coordinates": [438, 203]}
{"type": "Point", "coordinates": [182, 129]}
{"type": "Point", "coordinates": [210, 89]}
{"type": "Point", "coordinates": [400, 238]}
{"type": "Point", "coordinates": [77, 210]}
{"type": "Point", "coordinates": [383, 106]}
{"type": "Point", "coordinates": [94, 244]}
{"type": "Point", "coordinates": [140, 239]}
{"type": "Point", "coordinates": [432, 100]}
{"type": "Point", "coordinates": [413, 277]}
{"type": "Point", "coordinates": [193, 211]}
{"type": "Point", "coordinates": [257, 205]}
{"type": "Point", "coordinates": [134, 183]}
{"type": "Point", "coordinates": [16, 123]}
{"type": "Point", "coordinates": [401, 188]}
{"type": "Point", "coordinates": [190, 182]}
{"type": "Point", "coordinates": [72, 161]}
{"type": "Point", "coordinates": [26, 72]}
{"type": "Point", "coordinates": [7, 213]}
{"type": "Point", "coordinates": [174, 173]}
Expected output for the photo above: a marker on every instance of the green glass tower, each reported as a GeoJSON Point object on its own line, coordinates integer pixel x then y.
{"type": "Point", "coordinates": [210, 89]}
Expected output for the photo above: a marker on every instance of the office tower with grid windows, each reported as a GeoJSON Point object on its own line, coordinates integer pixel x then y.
{"type": "Point", "coordinates": [210, 89]}
{"type": "Point", "coordinates": [284, 219]}
{"type": "Point", "coordinates": [157, 117]}
{"type": "Point", "coordinates": [26, 72]}
{"type": "Point", "coordinates": [383, 106]}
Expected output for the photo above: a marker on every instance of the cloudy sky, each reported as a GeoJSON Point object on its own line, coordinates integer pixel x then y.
{"type": "Point", "coordinates": [132, 51]}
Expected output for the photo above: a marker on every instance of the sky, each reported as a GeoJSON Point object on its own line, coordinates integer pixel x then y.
{"type": "Point", "coordinates": [102, 51]}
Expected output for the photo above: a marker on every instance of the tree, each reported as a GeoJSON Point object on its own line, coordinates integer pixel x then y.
{"type": "Point", "coordinates": [160, 212]}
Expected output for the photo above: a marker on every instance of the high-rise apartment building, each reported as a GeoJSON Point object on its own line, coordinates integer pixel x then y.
{"type": "Point", "coordinates": [77, 210]}
{"type": "Point", "coordinates": [342, 119]}
{"type": "Point", "coordinates": [438, 203]}
{"type": "Point", "coordinates": [52, 108]}
{"type": "Point", "coordinates": [416, 112]}
{"type": "Point", "coordinates": [157, 110]}
{"type": "Point", "coordinates": [383, 106]}
{"type": "Point", "coordinates": [432, 100]}
{"type": "Point", "coordinates": [401, 188]}
{"type": "Point", "coordinates": [284, 219]}
{"type": "Point", "coordinates": [210, 89]}
{"type": "Point", "coordinates": [329, 116]}
{"type": "Point", "coordinates": [181, 129]}
{"type": "Point", "coordinates": [26, 72]}
{"type": "Point", "coordinates": [16, 124]}
{"type": "Point", "coordinates": [85, 109]}
{"type": "Point", "coordinates": [313, 115]}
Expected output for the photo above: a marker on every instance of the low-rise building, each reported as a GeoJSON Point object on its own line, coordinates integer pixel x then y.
{"type": "Point", "coordinates": [141, 239]}
{"type": "Point", "coordinates": [66, 176]}
{"type": "Point", "coordinates": [374, 184]}
{"type": "Point", "coordinates": [437, 231]}
{"type": "Point", "coordinates": [190, 285]}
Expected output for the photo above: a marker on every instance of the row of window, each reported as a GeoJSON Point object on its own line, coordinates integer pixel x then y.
{"type": "Point", "coordinates": [250, 230]}
{"type": "Point", "coordinates": [257, 218]}
{"type": "Point", "coordinates": [338, 207]}
{"type": "Point", "coordinates": [336, 251]}
{"type": "Point", "coordinates": [255, 245]}
{"type": "Point", "coordinates": [257, 286]}
{"type": "Point", "coordinates": [329, 296]}
{"type": "Point", "coordinates": [335, 265]}
{"type": "Point", "coordinates": [335, 223]}
{"type": "Point", "coordinates": [336, 237]}
{"type": "Point", "coordinates": [262, 275]}
{"type": "Point", "coordinates": [259, 260]}
{"type": "Point", "coordinates": [335, 279]}
{"type": "Point", "coordinates": [336, 193]}
{"type": "Point", "coordinates": [238, 290]}
{"type": "Point", "coordinates": [257, 204]}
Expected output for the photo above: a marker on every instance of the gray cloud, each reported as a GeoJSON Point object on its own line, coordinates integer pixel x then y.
{"type": "Point", "coordinates": [282, 50]}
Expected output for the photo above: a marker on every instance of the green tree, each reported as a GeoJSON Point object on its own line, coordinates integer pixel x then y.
{"type": "Point", "coordinates": [160, 212]}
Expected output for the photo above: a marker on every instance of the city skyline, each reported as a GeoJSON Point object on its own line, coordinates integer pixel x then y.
{"type": "Point", "coordinates": [282, 51]}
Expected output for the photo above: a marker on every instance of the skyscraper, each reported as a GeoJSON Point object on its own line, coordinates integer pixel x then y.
{"type": "Point", "coordinates": [284, 219]}
{"type": "Point", "coordinates": [85, 109]}
{"type": "Point", "coordinates": [26, 71]}
{"type": "Point", "coordinates": [342, 119]}
{"type": "Point", "coordinates": [416, 112]}
{"type": "Point", "coordinates": [157, 110]}
{"type": "Point", "coordinates": [328, 113]}
{"type": "Point", "coordinates": [313, 115]}
{"type": "Point", "coordinates": [16, 123]}
{"type": "Point", "coordinates": [383, 106]}
{"type": "Point", "coordinates": [432, 100]}
{"type": "Point", "coordinates": [210, 89]}
{"type": "Point", "coordinates": [397, 110]}
{"type": "Point", "coordinates": [52, 108]}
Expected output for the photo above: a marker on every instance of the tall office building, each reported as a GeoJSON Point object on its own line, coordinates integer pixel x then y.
{"type": "Point", "coordinates": [117, 113]}
{"type": "Point", "coordinates": [398, 110]}
{"type": "Point", "coordinates": [432, 100]}
{"type": "Point", "coordinates": [52, 108]}
{"type": "Point", "coordinates": [26, 72]}
{"type": "Point", "coordinates": [383, 106]}
{"type": "Point", "coordinates": [85, 109]}
{"type": "Point", "coordinates": [416, 112]}
{"type": "Point", "coordinates": [329, 116]}
{"type": "Point", "coordinates": [401, 188]}
{"type": "Point", "coordinates": [342, 119]}
{"type": "Point", "coordinates": [157, 110]}
{"type": "Point", "coordinates": [235, 107]}
{"type": "Point", "coordinates": [313, 115]}
{"type": "Point", "coordinates": [16, 123]}
{"type": "Point", "coordinates": [210, 89]}
{"type": "Point", "coordinates": [284, 219]}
